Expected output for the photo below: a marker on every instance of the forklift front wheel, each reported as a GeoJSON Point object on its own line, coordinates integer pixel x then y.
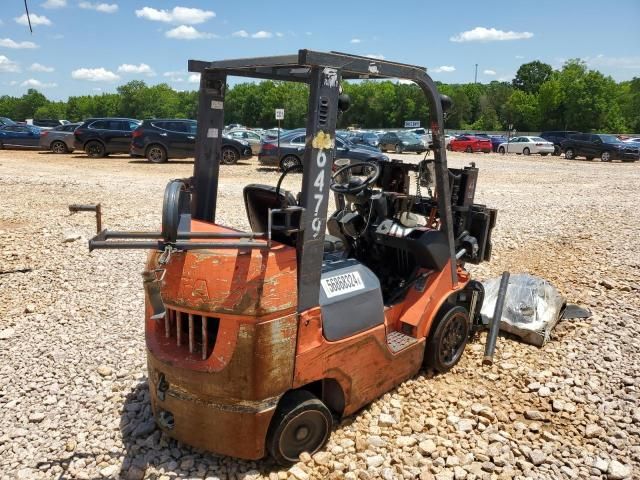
{"type": "Point", "coordinates": [302, 423]}
{"type": "Point", "coordinates": [448, 340]}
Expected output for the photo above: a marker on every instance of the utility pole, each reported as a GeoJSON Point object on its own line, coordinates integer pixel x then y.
{"type": "Point", "coordinates": [475, 78]}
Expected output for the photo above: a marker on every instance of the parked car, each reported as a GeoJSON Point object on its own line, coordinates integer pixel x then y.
{"type": "Point", "coordinates": [292, 148]}
{"type": "Point", "coordinates": [46, 124]}
{"type": "Point", "coordinates": [400, 142]}
{"type": "Point", "coordinates": [254, 140]}
{"type": "Point", "coordinates": [598, 145]}
{"type": "Point", "coordinates": [447, 139]}
{"type": "Point", "coordinates": [527, 146]}
{"type": "Point", "coordinates": [99, 137]}
{"type": "Point", "coordinates": [424, 134]}
{"type": "Point", "coordinates": [364, 138]}
{"type": "Point", "coordinates": [161, 139]}
{"type": "Point", "coordinates": [557, 137]}
{"type": "Point", "coordinates": [21, 136]}
{"type": "Point", "coordinates": [6, 121]}
{"type": "Point", "coordinates": [470, 144]}
{"type": "Point", "coordinates": [59, 139]}
{"type": "Point", "coordinates": [273, 133]}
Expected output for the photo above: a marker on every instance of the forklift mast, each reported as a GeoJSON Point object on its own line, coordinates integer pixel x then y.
{"type": "Point", "coordinates": [323, 72]}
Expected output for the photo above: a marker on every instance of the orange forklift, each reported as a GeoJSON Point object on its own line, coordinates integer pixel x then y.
{"type": "Point", "coordinates": [257, 342]}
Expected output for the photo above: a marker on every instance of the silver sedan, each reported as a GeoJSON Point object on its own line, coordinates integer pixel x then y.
{"type": "Point", "coordinates": [59, 139]}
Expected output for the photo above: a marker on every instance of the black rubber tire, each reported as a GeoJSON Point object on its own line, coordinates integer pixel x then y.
{"type": "Point", "coordinates": [299, 413]}
{"type": "Point", "coordinates": [156, 153]}
{"type": "Point", "coordinates": [569, 154]}
{"type": "Point", "coordinates": [468, 150]}
{"type": "Point", "coordinates": [502, 150]}
{"type": "Point", "coordinates": [58, 146]}
{"type": "Point", "coordinates": [398, 149]}
{"type": "Point", "coordinates": [544, 154]}
{"type": "Point", "coordinates": [289, 161]}
{"type": "Point", "coordinates": [556, 151]}
{"type": "Point", "coordinates": [605, 156]}
{"type": "Point", "coordinates": [526, 151]}
{"type": "Point", "coordinates": [95, 149]}
{"type": "Point", "coordinates": [229, 156]}
{"type": "Point", "coordinates": [448, 339]}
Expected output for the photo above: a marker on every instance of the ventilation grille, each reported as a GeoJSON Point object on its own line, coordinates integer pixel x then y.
{"type": "Point", "coordinates": [194, 334]}
{"type": "Point", "coordinates": [323, 112]}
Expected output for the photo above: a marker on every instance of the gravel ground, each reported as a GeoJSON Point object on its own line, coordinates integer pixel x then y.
{"type": "Point", "coordinates": [74, 401]}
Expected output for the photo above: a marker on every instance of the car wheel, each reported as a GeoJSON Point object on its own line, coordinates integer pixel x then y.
{"type": "Point", "coordinates": [526, 151]}
{"type": "Point", "coordinates": [569, 154]}
{"type": "Point", "coordinates": [59, 147]}
{"type": "Point", "coordinates": [544, 154]}
{"type": "Point", "coordinates": [502, 150]}
{"type": "Point", "coordinates": [156, 154]}
{"type": "Point", "coordinates": [95, 149]}
{"type": "Point", "coordinates": [468, 150]}
{"type": "Point", "coordinates": [448, 339]}
{"type": "Point", "coordinates": [398, 149]}
{"type": "Point", "coordinates": [301, 423]}
{"type": "Point", "coordinates": [288, 162]}
{"type": "Point", "coordinates": [557, 150]}
{"type": "Point", "coordinates": [605, 157]}
{"type": "Point", "coordinates": [229, 156]}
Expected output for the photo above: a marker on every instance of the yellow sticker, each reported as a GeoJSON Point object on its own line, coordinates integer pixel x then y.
{"type": "Point", "coordinates": [323, 141]}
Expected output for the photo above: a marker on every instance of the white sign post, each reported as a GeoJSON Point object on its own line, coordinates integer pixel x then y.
{"type": "Point", "coordinates": [279, 117]}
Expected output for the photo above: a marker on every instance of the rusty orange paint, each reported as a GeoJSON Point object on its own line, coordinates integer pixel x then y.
{"type": "Point", "coordinates": [249, 283]}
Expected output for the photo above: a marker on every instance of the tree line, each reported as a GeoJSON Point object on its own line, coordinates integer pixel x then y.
{"type": "Point", "coordinates": [573, 97]}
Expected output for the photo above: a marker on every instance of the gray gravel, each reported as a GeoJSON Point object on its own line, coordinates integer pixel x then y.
{"type": "Point", "coordinates": [73, 394]}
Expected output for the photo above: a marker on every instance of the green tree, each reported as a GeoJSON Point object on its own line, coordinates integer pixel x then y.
{"type": "Point", "coordinates": [531, 76]}
{"type": "Point", "coordinates": [522, 111]}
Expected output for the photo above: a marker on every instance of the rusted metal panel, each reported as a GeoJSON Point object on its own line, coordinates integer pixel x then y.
{"type": "Point", "coordinates": [238, 429]}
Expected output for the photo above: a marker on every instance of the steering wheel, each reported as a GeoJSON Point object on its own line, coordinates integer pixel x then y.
{"type": "Point", "coordinates": [355, 185]}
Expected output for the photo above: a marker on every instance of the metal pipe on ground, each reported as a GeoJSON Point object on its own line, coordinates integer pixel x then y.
{"type": "Point", "coordinates": [494, 327]}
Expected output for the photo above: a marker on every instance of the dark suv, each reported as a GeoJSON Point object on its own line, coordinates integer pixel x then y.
{"type": "Point", "coordinates": [603, 146]}
{"type": "Point", "coordinates": [161, 139]}
{"type": "Point", "coordinates": [99, 137]}
{"type": "Point", "coordinates": [557, 137]}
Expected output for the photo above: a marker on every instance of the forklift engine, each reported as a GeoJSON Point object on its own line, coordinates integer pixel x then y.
{"type": "Point", "coordinates": [258, 342]}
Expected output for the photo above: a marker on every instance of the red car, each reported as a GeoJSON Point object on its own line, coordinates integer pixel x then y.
{"type": "Point", "coordinates": [470, 144]}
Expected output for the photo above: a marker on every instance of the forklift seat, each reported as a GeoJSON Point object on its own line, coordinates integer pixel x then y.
{"type": "Point", "coordinates": [258, 199]}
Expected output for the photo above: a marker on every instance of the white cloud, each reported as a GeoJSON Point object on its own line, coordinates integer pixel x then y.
{"type": "Point", "coordinates": [355, 40]}
{"type": "Point", "coordinates": [54, 4]}
{"type": "Point", "coordinates": [13, 82]}
{"type": "Point", "coordinates": [186, 32]}
{"type": "Point", "coordinates": [482, 34]}
{"type": "Point", "coordinates": [444, 69]}
{"type": "Point", "coordinates": [32, 82]}
{"type": "Point", "coordinates": [100, 7]}
{"type": "Point", "coordinates": [94, 75]}
{"type": "Point", "coordinates": [262, 34]}
{"type": "Point", "coordinates": [175, 76]}
{"type": "Point", "coordinates": [376, 56]}
{"type": "Point", "coordinates": [404, 81]}
{"type": "Point", "coordinates": [38, 67]}
{"type": "Point", "coordinates": [194, 78]}
{"type": "Point", "coordinates": [8, 43]}
{"type": "Point", "coordinates": [96, 89]}
{"type": "Point", "coordinates": [181, 15]}
{"type": "Point", "coordinates": [279, 34]}
{"type": "Point", "coordinates": [35, 19]}
{"type": "Point", "coordinates": [240, 34]}
{"type": "Point", "coordinates": [489, 72]}
{"type": "Point", "coordinates": [519, 57]}
{"type": "Point", "coordinates": [8, 66]}
{"type": "Point", "coordinates": [613, 62]}
{"type": "Point", "coordinates": [142, 69]}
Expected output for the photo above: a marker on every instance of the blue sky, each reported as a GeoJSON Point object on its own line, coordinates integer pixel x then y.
{"type": "Point", "coordinates": [83, 47]}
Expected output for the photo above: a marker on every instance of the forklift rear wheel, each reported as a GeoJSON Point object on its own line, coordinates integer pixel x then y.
{"type": "Point", "coordinates": [302, 423]}
{"type": "Point", "coordinates": [448, 340]}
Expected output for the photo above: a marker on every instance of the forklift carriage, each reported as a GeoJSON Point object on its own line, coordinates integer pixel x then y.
{"type": "Point", "coordinates": [257, 341]}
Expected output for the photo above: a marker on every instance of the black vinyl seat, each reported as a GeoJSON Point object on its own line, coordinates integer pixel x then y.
{"type": "Point", "coordinates": [258, 199]}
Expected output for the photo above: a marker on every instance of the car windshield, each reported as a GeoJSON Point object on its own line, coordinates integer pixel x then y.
{"type": "Point", "coordinates": [609, 138]}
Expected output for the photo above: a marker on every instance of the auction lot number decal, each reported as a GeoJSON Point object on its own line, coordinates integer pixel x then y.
{"type": "Point", "coordinates": [341, 284]}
